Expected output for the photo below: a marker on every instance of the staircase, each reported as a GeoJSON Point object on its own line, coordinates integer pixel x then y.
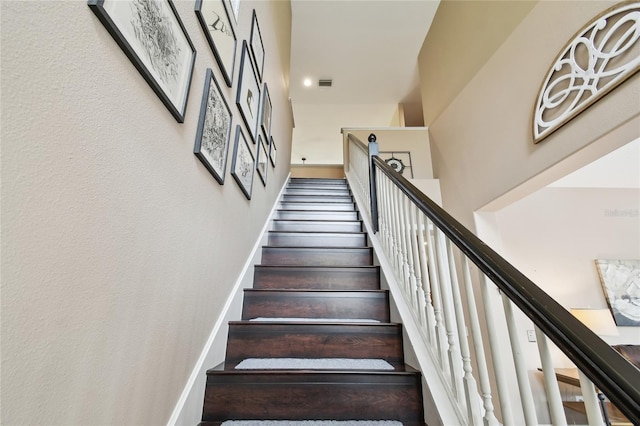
{"type": "Point", "coordinates": [316, 296]}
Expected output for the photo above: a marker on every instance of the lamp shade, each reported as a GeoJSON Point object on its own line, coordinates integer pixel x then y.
{"type": "Point", "coordinates": [599, 321]}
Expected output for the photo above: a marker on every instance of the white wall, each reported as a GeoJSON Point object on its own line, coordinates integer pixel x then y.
{"type": "Point", "coordinates": [317, 134]}
{"type": "Point", "coordinates": [118, 247]}
{"type": "Point", "coordinates": [566, 230]}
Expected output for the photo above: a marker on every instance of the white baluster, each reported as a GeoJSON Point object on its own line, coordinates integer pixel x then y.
{"type": "Point", "coordinates": [382, 213]}
{"type": "Point", "coordinates": [550, 381]}
{"type": "Point", "coordinates": [454, 358]}
{"type": "Point", "coordinates": [524, 385]}
{"type": "Point", "coordinates": [406, 275]}
{"type": "Point", "coordinates": [419, 267]}
{"type": "Point", "coordinates": [428, 277]}
{"type": "Point", "coordinates": [495, 344]}
{"type": "Point", "coordinates": [591, 402]}
{"type": "Point", "coordinates": [440, 331]}
{"type": "Point", "coordinates": [471, 397]}
{"type": "Point", "coordinates": [478, 345]}
{"type": "Point", "coordinates": [411, 249]}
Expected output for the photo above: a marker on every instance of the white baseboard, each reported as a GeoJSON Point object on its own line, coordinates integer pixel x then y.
{"type": "Point", "coordinates": [188, 409]}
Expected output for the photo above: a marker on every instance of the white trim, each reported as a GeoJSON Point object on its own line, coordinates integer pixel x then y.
{"type": "Point", "coordinates": [220, 321]}
{"type": "Point", "coordinates": [374, 129]}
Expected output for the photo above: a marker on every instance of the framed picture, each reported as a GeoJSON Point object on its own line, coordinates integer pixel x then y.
{"type": "Point", "coordinates": [152, 36]}
{"type": "Point", "coordinates": [243, 164]}
{"type": "Point", "coordinates": [620, 281]}
{"type": "Point", "coordinates": [262, 161]}
{"type": "Point", "coordinates": [257, 48]}
{"type": "Point", "coordinates": [248, 95]}
{"type": "Point", "coordinates": [235, 9]}
{"type": "Point", "coordinates": [265, 113]}
{"type": "Point", "coordinates": [214, 19]}
{"type": "Point", "coordinates": [272, 151]}
{"type": "Point", "coordinates": [214, 129]}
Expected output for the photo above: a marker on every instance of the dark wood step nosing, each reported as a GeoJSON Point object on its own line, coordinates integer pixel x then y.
{"type": "Point", "coordinates": [361, 293]}
{"type": "Point", "coordinates": [326, 248]}
{"type": "Point", "coordinates": [346, 233]}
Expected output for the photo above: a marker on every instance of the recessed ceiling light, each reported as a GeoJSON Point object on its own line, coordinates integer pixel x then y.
{"type": "Point", "coordinates": [307, 82]}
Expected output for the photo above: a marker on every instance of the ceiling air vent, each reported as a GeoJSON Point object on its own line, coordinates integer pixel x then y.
{"type": "Point", "coordinates": [325, 83]}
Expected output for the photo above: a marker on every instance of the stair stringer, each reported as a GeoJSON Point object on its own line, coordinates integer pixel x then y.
{"type": "Point", "coordinates": [188, 408]}
{"type": "Point", "coordinates": [440, 404]}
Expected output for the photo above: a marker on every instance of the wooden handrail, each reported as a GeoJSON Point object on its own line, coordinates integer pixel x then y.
{"type": "Point", "coordinates": [604, 366]}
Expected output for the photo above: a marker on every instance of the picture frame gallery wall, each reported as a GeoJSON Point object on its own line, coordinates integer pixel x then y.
{"type": "Point", "coordinates": [166, 57]}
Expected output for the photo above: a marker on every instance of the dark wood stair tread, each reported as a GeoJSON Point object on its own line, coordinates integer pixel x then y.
{"type": "Point", "coordinates": [317, 256]}
{"type": "Point", "coordinates": [317, 277]}
{"type": "Point", "coordinates": [298, 225]}
{"type": "Point", "coordinates": [318, 205]}
{"type": "Point", "coordinates": [348, 304]}
{"type": "Point", "coordinates": [320, 395]}
{"type": "Point", "coordinates": [317, 239]}
{"type": "Point", "coordinates": [316, 214]}
{"type": "Point", "coordinates": [320, 339]}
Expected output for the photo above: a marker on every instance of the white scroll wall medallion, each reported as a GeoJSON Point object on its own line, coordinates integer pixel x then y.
{"type": "Point", "coordinates": [600, 57]}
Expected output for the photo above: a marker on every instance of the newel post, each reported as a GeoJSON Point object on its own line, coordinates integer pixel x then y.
{"type": "Point", "coordinates": [373, 150]}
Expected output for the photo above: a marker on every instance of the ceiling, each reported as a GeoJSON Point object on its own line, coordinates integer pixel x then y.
{"type": "Point", "coordinates": [369, 49]}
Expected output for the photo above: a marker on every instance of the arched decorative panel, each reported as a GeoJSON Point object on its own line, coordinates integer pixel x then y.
{"type": "Point", "coordinates": [600, 57]}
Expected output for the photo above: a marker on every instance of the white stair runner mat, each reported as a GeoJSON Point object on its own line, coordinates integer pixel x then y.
{"type": "Point", "coordinates": [314, 319]}
{"type": "Point", "coordinates": [313, 364]}
{"type": "Point", "coordinates": [312, 423]}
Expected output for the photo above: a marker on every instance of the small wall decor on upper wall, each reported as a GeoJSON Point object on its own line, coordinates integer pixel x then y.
{"type": "Point", "coordinates": [265, 113]}
{"type": "Point", "coordinates": [248, 94]}
{"type": "Point", "coordinates": [214, 19]}
{"type": "Point", "coordinates": [243, 163]}
{"type": "Point", "coordinates": [273, 152]}
{"type": "Point", "coordinates": [597, 59]}
{"type": "Point", "coordinates": [153, 37]}
{"type": "Point", "coordinates": [257, 48]}
{"type": "Point", "coordinates": [262, 160]}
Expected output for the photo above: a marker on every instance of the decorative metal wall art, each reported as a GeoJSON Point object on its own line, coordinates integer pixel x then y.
{"type": "Point", "coordinates": [600, 57]}
{"type": "Point", "coordinates": [152, 36]}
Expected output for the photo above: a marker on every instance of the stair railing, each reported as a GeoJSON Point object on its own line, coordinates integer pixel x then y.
{"type": "Point", "coordinates": [439, 264]}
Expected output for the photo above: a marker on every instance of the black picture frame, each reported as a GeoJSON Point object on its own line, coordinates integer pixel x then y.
{"type": "Point", "coordinates": [262, 159]}
{"type": "Point", "coordinates": [273, 152]}
{"type": "Point", "coordinates": [243, 163]}
{"type": "Point", "coordinates": [214, 129]}
{"type": "Point", "coordinates": [266, 111]}
{"type": "Point", "coordinates": [168, 70]}
{"type": "Point", "coordinates": [248, 93]}
{"type": "Point", "coordinates": [218, 30]}
{"type": "Point", "coordinates": [257, 47]}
